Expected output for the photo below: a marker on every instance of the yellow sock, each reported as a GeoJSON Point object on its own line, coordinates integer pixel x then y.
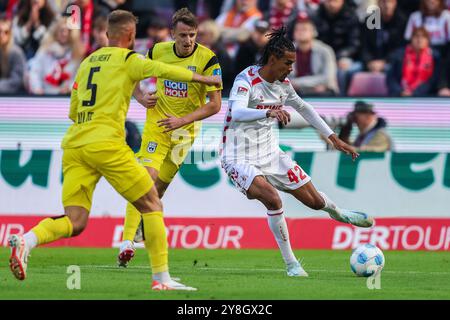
{"type": "Point", "coordinates": [52, 229]}
{"type": "Point", "coordinates": [156, 241]}
{"type": "Point", "coordinates": [132, 220]}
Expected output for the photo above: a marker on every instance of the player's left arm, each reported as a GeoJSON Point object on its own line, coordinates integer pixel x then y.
{"type": "Point", "coordinates": [307, 111]}
{"type": "Point", "coordinates": [212, 107]}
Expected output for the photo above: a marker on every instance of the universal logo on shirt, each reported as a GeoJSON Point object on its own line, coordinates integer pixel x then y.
{"type": "Point", "coordinates": [175, 89]}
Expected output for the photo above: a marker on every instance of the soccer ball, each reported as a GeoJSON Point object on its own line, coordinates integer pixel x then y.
{"type": "Point", "coordinates": [366, 260]}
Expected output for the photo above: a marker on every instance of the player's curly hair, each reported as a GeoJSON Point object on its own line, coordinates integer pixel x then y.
{"type": "Point", "coordinates": [277, 45]}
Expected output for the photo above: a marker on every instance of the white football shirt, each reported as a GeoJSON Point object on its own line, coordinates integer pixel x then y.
{"type": "Point", "coordinates": [255, 142]}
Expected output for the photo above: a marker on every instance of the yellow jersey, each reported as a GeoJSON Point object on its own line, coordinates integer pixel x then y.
{"type": "Point", "coordinates": [181, 98]}
{"type": "Point", "coordinates": [102, 91]}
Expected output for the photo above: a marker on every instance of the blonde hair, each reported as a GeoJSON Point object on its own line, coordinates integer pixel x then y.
{"type": "Point", "coordinates": [76, 46]}
{"type": "Point", "coordinates": [211, 26]}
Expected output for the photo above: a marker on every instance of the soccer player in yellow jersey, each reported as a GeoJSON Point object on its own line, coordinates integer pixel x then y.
{"type": "Point", "coordinates": [94, 145]}
{"type": "Point", "coordinates": [171, 125]}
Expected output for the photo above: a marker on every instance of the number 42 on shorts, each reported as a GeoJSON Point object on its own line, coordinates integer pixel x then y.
{"type": "Point", "coordinates": [296, 174]}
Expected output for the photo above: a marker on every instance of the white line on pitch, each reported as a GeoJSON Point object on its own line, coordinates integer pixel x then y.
{"type": "Point", "coordinates": [141, 267]}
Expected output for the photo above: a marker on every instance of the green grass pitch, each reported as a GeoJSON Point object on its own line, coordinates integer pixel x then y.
{"type": "Point", "coordinates": [226, 274]}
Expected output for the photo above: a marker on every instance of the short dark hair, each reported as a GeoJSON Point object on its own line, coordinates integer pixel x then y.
{"type": "Point", "coordinates": [185, 16]}
{"type": "Point", "coordinates": [277, 45]}
{"type": "Point", "coordinates": [118, 18]}
{"type": "Point", "coordinates": [425, 12]}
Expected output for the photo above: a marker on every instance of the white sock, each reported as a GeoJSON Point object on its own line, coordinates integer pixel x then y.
{"type": "Point", "coordinates": [162, 277]}
{"type": "Point", "coordinates": [331, 208]}
{"type": "Point", "coordinates": [31, 241]}
{"type": "Point", "coordinates": [278, 226]}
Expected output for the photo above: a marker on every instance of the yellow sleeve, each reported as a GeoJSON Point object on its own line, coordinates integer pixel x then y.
{"type": "Point", "coordinates": [140, 68]}
{"type": "Point", "coordinates": [74, 100]}
{"type": "Point", "coordinates": [212, 68]}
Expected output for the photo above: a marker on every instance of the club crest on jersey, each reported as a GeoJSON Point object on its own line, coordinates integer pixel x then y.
{"type": "Point", "coordinates": [241, 91]}
{"type": "Point", "coordinates": [217, 72]}
{"type": "Point", "coordinates": [192, 68]}
{"type": "Point", "coordinates": [151, 148]}
{"type": "Point", "coordinates": [175, 89]}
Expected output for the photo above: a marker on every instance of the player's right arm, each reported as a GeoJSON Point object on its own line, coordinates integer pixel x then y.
{"type": "Point", "coordinates": [141, 68]}
{"type": "Point", "coordinates": [239, 99]}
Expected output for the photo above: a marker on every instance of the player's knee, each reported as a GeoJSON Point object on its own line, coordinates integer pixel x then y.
{"type": "Point", "coordinates": [272, 200]}
{"type": "Point", "coordinates": [275, 203]}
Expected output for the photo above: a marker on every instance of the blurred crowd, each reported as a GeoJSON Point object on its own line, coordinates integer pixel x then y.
{"type": "Point", "coordinates": [344, 47]}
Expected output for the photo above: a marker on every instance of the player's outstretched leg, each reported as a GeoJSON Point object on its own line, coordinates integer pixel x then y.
{"type": "Point", "coordinates": [260, 189]}
{"type": "Point", "coordinates": [310, 197]}
{"type": "Point", "coordinates": [356, 218]}
{"type": "Point", "coordinates": [47, 231]}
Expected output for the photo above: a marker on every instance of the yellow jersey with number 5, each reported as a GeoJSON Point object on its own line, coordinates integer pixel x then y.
{"type": "Point", "coordinates": [102, 91]}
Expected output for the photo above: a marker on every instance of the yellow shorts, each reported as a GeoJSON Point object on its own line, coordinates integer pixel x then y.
{"type": "Point", "coordinates": [165, 152]}
{"type": "Point", "coordinates": [83, 167]}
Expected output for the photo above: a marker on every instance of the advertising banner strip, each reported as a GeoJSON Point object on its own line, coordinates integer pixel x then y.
{"type": "Point", "coordinates": [253, 233]}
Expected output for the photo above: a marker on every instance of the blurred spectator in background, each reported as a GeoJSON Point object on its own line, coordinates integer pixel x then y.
{"type": "Point", "coordinates": [12, 61]}
{"type": "Point", "coordinates": [282, 12]}
{"type": "Point", "coordinates": [314, 72]}
{"type": "Point", "coordinates": [209, 36]}
{"type": "Point", "coordinates": [435, 18]}
{"type": "Point", "coordinates": [86, 20]}
{"type": "Point", "coordinates": [361, 7]}
{"type": "Point", "coordinates": [372, 136]}
{"type": "Point", "coordinates": [99, 36]}
{"type": "Point", "coordinates": [104, 7]}
{"type": "Point", "coordinates": [308, 6]}
{"type": "Point", "coordinates": [379, 43]}
{"type": "Point", "coordinates": [250, 51]}
{"type": "Point", "coordinates": [31, 23]}
{"type": "Point", "coordinates": [444, 81]}
{"type": "Point", "coordinates": [9, 8]}
{"type": "Point", "coordinates": [408, 6]}
{"type": "Point", "coordinates": [238, 23]}
{"type": "Point", "coordinates": [53, 69]}
{"type": "Point", "coordinates": [203, 9]}
{"type": "Point", "coordinates": [338, 26]}
{"type": "Point", "coordinates": [157, 30]}
{"type": "Point", "coordinates": [414, 70]}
